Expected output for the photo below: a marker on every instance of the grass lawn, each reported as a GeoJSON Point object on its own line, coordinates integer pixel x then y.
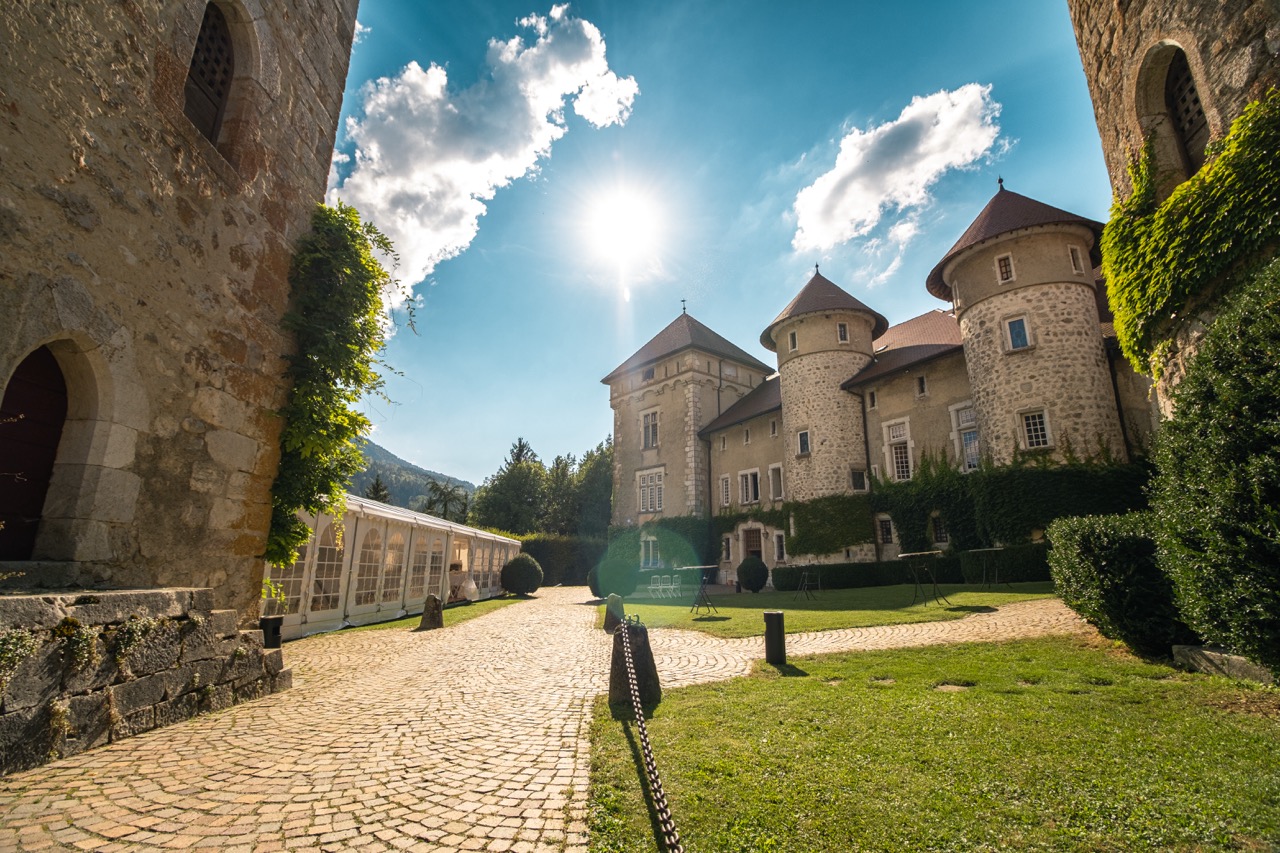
{"type": "Point", "coordinates": [1050, 744]}
{"type": "Point", "coordinates": [740, 613]}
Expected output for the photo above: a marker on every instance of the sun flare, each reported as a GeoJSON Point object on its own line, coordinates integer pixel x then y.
{"type": "Point", "coordinates": [624, 227]}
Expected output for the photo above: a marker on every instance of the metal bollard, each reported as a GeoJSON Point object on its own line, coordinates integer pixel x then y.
{"type": "Point", "coordinates": [775, 638]}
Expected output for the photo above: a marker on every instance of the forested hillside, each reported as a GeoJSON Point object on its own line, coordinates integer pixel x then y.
{"type": "Point", "coordinates": [408, 484]}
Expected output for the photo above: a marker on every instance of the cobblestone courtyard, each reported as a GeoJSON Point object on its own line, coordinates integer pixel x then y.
{"type": "Point", "coordinates": [471, 738]}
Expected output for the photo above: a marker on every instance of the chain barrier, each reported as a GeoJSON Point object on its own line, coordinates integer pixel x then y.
{"type": "Point", "coordinates": [670, 835]}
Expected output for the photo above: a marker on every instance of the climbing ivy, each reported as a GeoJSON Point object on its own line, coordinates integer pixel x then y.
{"type": "Point", "coordinates": [336, 284]}
{"type": "Point", "coordinates": [828, 524]}
{"type": "Point", "coordinates": [1161, 258]}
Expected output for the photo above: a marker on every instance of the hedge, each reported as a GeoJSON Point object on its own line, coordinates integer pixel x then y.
{"type": "Point", "coordinates": [1011, 564]}
{"type": "Point", "coordinates": [1216, 494]}
{"type": "Point", "coordinates": [565, 560]}
{"type": "Point", "coordinates": [1104, 568]}
{"type": "Point", "coordinates": [856, 575]}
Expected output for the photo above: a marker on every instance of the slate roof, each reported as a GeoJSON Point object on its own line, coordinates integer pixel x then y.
{"type": "Point", "coordinates": [917, 340]}
{"type": "Point", "coordinates": [1007, 211]}
{"type": "Point", "coordinates": [765, 397]}
{"type": "Point", "coordinates": [820, 294]}
{"type": "Point", "coordinates": [681, 334]}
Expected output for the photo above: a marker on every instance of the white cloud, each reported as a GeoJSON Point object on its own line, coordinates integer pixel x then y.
{"type": "Point", "coordinates": [892, 166]}
{"type": "Point", "coordinates": [361, 32]}
{"type": "Point", "coordinates": [428, 158]}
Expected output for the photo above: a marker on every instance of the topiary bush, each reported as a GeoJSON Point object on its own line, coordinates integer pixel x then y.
{"type": "Point", "coordinates": [615, 575]}
{"type": "Point", "coordinates": [1105, 569]}
{"type": "Point", "coordinates": [521, 575]}
{"type": "Point", "coordinates": [1216, 493]}
{"type": "Point", "coordinates": [753, 574]}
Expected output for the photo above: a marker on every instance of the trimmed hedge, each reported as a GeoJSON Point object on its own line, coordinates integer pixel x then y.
{"type": "Point", "coordinates": [565, 560]}
{"type": "Point", "coordinates": [1216, 494]}
{"type": "Point", "coordinates": [856, 575]}
{"type": "Point", "coordinates": [753, 574]}
{"type": "Point", "coordinates": [1104, 567]}
{"type": "Point", "coordinates": [522, 575]}
{"type": "Point", "coordinates": [1012, 564]}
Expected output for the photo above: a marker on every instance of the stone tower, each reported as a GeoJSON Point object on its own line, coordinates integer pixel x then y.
{"type": "Point", "coordinates": [822, 338]}
{"type": "Point", "coordinates": [1021, 279]}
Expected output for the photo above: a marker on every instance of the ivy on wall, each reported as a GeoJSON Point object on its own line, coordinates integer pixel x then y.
{"type": "Point", "coordinates": [935, 485]}
{"type": "Point", "coordinates": [828, 524]}
{"type": "Point", "coordinates": [1161, 258]}
{"type": "Point", "coordinates": [335, 315]}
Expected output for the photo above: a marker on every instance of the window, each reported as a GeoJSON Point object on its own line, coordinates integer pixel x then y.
{"type": "Point", "coordinates": [729, 371]}
{"type": "Point", "coordinates": [326, 586]}
{"type": "Point", "coordinates": [922, 387]}
{"type": "Point", "coordinates": [901, 461]}
{"type": "Point", "coordinates": [802, 442]}
{"type": "Point", "coordinates": [1004, 268]}
{"type": "Point", "coordinates": [746, 435]}
{"type": "Point", "coordinates": [1077, 262]}
{"type": "Point", "coordinates": [369, 567]}
{"type": "Point", "coordinates": [752, 542]}
{"type": "Point", "coordinates": [393, 568]}
{"type": "Point", "coordinates": [779, 548]}
{"type": "Point", "coordinates": [650, 420]}
{"type": "Point", "coordinates": [1035, 428]}
{"type": "Point", "coordinates": [773, 429]}
{"type": "Point", "coordinates": [886, 530]}
{"type": "Point", "coordinates": [726, 549]}
{"type": "Point", "coordinates": [749, 483]}
{"type": "Point", "coordinates": [897, 437]}
{"type": "Point", "coordinates": [939, 530]}
{"type": "Point", "coordinates": [967, 433]}
{"type": "Point", "coordinates": [649, 556]}
{"type": "Point", "coordinates": [858, 480]}
{"type": "Point", "coordinates": [793, 341]}
{"type": "Point", "coordinates": [650, 491]}
{"type": "Point", "coordinates": [647, 374]}
{"type": "Point", "coordinates": [723, 441]}
{"type": "Point", "coordinates": [1017, 331]}
{"type": "Point", "coordinates": [211, 74]}
{"type": "Point", "coordinates": [842, 332]}
{"type": "Point", "coordinates": [724, 491]}
{"type": "Point", "coordinates": [1183, 102]}
{"type": "Point", "coordinates": [871, 399]}
{"type": "Point", "coordinates": [775, 482]}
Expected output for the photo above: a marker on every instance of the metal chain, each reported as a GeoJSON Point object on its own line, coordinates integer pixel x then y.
{"type": "Point", "coordinates": [670, 836]}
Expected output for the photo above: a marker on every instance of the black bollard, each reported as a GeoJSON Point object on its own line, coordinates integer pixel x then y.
{"type": "Point", "coordinates": [646, 674]}
{"type": "Point", "coordinates": [775, 638]}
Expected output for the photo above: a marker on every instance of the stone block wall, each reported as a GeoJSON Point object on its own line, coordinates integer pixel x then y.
{"type": "Point", "coordinates": [80, 670]}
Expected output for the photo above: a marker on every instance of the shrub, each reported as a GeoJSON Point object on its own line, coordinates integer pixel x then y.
{"type": "Point", "coordinates": [753, 574]}
{"type": "Point", "coordinates": [1104, 567]}
{"type": "Point", "coordinates": [1216, 493]}
{"type": "Point", "coordinates": [1012, 564]}
{"type": "Point", "coordinates": [616, 575]}
{"type": "Point", "coordinates": [1013, 501]}
{"type": "Point", "coordinates": [522, 575]}
{"type": "Point", "coordinates": [564, 559]}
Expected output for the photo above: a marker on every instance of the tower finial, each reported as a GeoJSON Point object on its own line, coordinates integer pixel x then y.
{"type": "Point", "coordinates": [1000, 181]}
{"type": "Point", "coordinates": [815, 269]}
{"type": "Point", "coordinates": [683, 310]}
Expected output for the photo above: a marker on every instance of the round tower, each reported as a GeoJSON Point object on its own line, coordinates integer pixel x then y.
{"type": "Point", "coordinates": [822, 338]}
{"type": "Point", "coordinates": [1021, 279]}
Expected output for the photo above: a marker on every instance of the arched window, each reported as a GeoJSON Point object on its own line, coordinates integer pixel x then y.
{"type": "Point", "coordinates": [212, 71]}
{"type": "Point", "coordinates": [393, 568]}
{"type": "Point", "coordinates": [1185, 111]}
{"type": "Point", "coordinates": [326, 589]}
{"type": "Point", "coordinates": [32, 415]}
{"type": "Point", "coordinates": [368, 569]}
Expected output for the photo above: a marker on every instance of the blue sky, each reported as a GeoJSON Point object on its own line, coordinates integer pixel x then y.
{"type": "Point", "coordinates": [558, 178]}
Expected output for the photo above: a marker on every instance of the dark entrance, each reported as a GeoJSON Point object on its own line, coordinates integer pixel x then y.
{"type": "Point", "coordinates": [31, 419]}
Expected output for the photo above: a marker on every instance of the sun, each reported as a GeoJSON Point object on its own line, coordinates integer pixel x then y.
{"type": "Point", "coordinates": [624, 227]}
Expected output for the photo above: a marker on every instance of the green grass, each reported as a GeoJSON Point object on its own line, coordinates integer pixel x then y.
{"type": "Point", "coordinates": [1052, 744]}
{"type": "Point", "coordinates": [740, 614]}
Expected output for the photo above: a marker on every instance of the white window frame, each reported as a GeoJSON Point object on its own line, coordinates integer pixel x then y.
{"type": "Point", "coordinates": [1006, 327]}
{"type": "Point", "coordinates": [749, 486]}
{"type": "Point", "coordinates": [804, 443]}
{"type": "Point", "coordinates": [897, 434]}
{"type": "Point", "coordinates": [649, 488]}
{"type": "Point", "coordinates": [1076, 255]}
{"type": "Point", "coordinates": [775, 495]}
{"type": "Point", "coordinates": [842, 333]}
{"type": "Point", "coordinates": [650, 426]}
{"type": "Point", "coordinates": [1024, 438]}
{"type": "Point", "coordinates": [960, 426]}
{"type": "Point", "coordinates": [885, 532]}
{"type": "Point", "coordinates": [725, 493]}
{"type": "Point", "coordinates": [650, 556]}
{"type": "Point", "coordinates": [1013, 274]}
{"type": "Point", "coordinates": [779, 548]}
{"type": "Point", "coordinates": [793, 341]}
{"type": "Point", "coordinates": [726, 549]}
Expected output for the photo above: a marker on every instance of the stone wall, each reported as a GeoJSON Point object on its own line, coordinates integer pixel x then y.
{"type": "Point", "coordinates": [109, 665]}
{"type": "Point", "coordinates": [153, 264]}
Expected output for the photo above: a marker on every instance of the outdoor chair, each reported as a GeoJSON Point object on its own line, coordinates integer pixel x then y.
{"type": "Point", "coordinates": [655, 586]}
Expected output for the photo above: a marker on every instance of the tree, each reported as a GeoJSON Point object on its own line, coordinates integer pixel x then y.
{"type": "Point", "coordinates": [560, 498]}
{"type": "Point", "coordinates": [512, 499]}
{"type": "Point", "coordinates": [377, 490]}
{"type": "Point", "coordinates": [521, 451]}
{"type": "Point", "coordinates": [447, 501]}
{"type": "Point", "coordinates": [595, 490]}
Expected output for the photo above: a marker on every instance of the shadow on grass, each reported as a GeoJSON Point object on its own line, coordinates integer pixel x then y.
{"type": "Point", "coordinates": [787, 670]}
{"type": "Point", "coordinates": [711, 619]}
{"type": "Point", "coordinates": [971, 608]}
{"type": "Point", "coordinates": [637, 756]}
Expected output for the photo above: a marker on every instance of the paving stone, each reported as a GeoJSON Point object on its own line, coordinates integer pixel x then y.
{"type": "Point", "coordinates": [470, 738]}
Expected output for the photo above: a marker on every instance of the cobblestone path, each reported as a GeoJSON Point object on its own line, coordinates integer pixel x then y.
{"type": "Point", "coordinates": [471, 738]}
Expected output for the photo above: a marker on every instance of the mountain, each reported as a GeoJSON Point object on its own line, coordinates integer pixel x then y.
{"type": "Point", "coordinates": [406, 481]}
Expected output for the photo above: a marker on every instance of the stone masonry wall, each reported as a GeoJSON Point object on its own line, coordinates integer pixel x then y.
{"type": "Point", "coordinates": [154, 266]}
{"type": "Point", "coordinates": [110, 665]}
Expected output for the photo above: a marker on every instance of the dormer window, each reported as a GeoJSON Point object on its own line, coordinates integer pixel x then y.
{"type": "Point", "coordinates": [211, 74]}
{"type": "Point", "coordinates": [1004, 269]}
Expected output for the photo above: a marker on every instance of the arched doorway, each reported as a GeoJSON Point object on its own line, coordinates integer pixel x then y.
{"type": "Point", "coordinates": [32, 415]}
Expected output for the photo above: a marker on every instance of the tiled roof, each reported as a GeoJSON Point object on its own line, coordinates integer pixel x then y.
{"type": "Point", "coordinates": [818, 295]}
{"type": "Point", "coordinates": [917, 340]}
{"type": "Point", "coordinates": [765, 397]}
{"type": "Point", "coordinates": [684, 333]}
{"type": "Point", "coordinates": [1007, 211]}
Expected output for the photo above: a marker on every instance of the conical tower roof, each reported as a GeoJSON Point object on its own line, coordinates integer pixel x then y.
{"type": "Point", "coordinates": [1007, 211]}
{"type": "Point", "coordinates": [819, 295]}
{"type": "Point", "coordinates": [684, 333]}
